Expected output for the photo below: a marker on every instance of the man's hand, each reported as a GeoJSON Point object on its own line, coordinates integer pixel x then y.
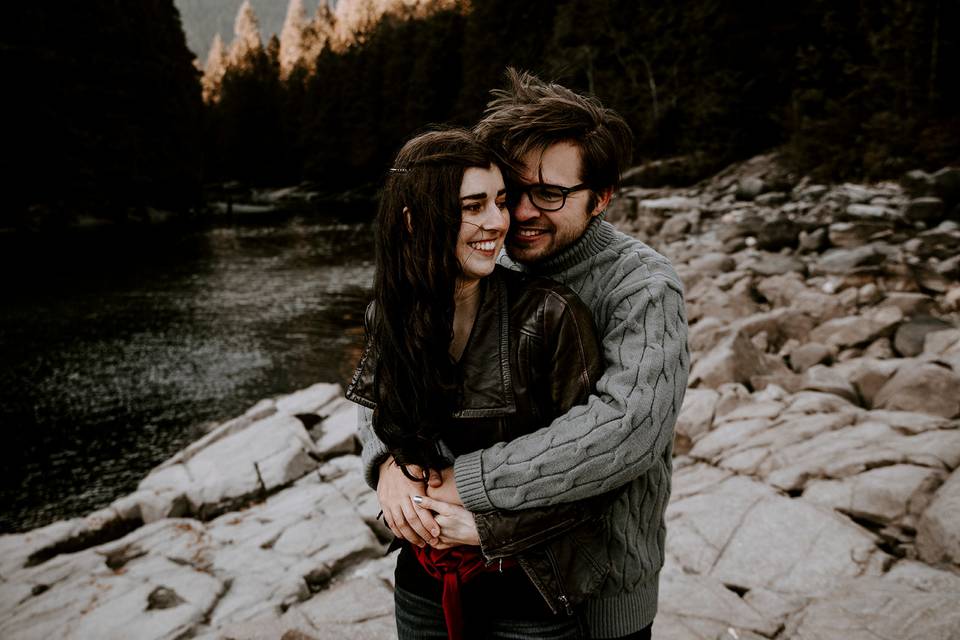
{"type": "Point", "coordinates": [445, 490]}
{"type": "Point", "coordinates": [457, 525]}
{"type": "Point", "coordinates": [395, 492]}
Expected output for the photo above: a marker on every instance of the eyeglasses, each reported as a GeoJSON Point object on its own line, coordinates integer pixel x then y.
{"type": "Point", "coordinates": [545, 197]}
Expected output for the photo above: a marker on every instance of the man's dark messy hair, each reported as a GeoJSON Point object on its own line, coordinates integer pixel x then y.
{"type": "Point", "coordinates": [530, 114]}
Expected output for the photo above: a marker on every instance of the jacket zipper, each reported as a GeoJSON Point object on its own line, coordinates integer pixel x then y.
{"type": "Point", "coordinates": [562, 598]}
{"type": "Point", "coordinates": [556, 572]}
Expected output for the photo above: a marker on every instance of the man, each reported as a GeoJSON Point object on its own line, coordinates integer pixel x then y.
{"type": "Point", "coordinates": [568, 152]}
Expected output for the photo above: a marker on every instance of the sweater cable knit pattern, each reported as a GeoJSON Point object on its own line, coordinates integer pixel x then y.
{"type": "Point", "coordinates": [622, 436]}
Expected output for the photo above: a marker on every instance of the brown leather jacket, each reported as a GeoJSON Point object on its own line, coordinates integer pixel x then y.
{"type": "Point", "coordinates": [532, 354]}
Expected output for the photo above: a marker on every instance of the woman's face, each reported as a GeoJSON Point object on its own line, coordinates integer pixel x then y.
{"type": "Point", "coordinates": [484, 221]}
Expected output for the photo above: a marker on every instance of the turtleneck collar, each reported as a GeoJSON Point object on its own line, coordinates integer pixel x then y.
{"type": "Point", "coordinates": [596, 238]}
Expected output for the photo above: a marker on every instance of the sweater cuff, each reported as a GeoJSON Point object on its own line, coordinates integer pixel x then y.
{"type": "Point", "coordinates": [468, 474]}
{"type": "Point", "coordinates": [373, 454]}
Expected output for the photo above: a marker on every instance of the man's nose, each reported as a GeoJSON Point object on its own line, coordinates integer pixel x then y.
{"type": "Point", "coordinates": [524, 209]}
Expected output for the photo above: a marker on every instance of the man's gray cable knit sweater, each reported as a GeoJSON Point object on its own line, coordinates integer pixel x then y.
{"type": "Point", "coordinates": [622, 437]}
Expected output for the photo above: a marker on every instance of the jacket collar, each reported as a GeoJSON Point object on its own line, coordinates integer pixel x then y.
{"type": "Point", "coordinates": [485, 364]}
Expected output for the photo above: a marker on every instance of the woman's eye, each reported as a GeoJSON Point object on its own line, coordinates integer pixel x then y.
{"type": "Point", "coordinates": [502, 204]}
{"type": "Point", "coordinates": [472, 208]}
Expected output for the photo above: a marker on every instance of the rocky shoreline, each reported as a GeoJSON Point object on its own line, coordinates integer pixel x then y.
{"type": "Point", "coordinates": [816, 492]}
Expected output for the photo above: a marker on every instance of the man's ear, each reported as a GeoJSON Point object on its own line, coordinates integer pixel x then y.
{"type": "Point", "coordinates": [603, 201]}
{"type": "Point", "coordinates": [406, 214]}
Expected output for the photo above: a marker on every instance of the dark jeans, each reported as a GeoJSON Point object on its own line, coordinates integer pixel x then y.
{"type": "Point", "coordinates": [643, 634]}
{"type": "Point", "coordinates": [420, 618]}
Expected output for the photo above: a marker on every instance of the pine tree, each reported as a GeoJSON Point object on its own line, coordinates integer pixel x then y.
{"type": "Point", "coordinates": [214, 70]}
{"type": "Point", "coordinates": [355, 18]}
{"type": "Point", "coordinates": [246, 35]}
{"type": "Point", "coordinates": [319, 34]}
{"type": "Point", "coordinates": [292, 37]}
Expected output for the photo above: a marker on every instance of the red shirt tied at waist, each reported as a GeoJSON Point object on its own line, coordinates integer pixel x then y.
{"type": "Point", "coordinates": [454, 567]}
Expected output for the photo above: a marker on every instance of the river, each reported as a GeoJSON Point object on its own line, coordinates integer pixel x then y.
{"type": "Point", "coordinates": [118, 345]}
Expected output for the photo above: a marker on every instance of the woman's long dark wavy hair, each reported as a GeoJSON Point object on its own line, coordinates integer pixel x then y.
{"type": "Point", "coordinates": [418, 223]}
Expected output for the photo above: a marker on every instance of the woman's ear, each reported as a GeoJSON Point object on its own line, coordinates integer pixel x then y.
{"type": "Point", "coordinates": [406, 214]}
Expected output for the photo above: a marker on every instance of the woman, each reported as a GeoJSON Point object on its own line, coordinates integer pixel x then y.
{"type": "Point", "coordinates": [463, 354]}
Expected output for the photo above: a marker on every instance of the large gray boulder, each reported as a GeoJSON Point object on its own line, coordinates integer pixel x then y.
{"type": "Point", "coordinates": [938, 533]}
{"type": "Point", "coordinates": [793, 450]}
{"type": "Point", "coordinates": [708, 300]}
{"type": "Point", "coordinates": [946, 183]}
{"type": "Point", "coordinates": [910, 335]}
{"type": "Point", "coordinates": [702, 608]}
{"type": "Point", "coordinates": [232, 466]}
{"type": "Point", "coordinates": [886, 495]}
{"type": "Point", "coordinates": [298, 540]}
{"type": "Point", "coordinates": [943, 347]}
{"type": "Point", "coordinates": [772, 264]}
{"type": "Point", "coordinates": [853, 450]}
{"type": "Point", "coordinates": [926, 209]}
{"type": "Point", "coordinates": [805, 356]}
{"type": "Point", "coordinates": [868, 375]}
{"type": "Point", "coordinates": [696, 414]}
{"type": "Point", "coordinates": [923, 387]}
{"type": "Point", "coordinates": [713, 263]}
{"type": "Point", "coordinates": [745, 534]}
{"type": "Point", "coordinates": [872, 608]}
{"type": "Point", "coordinates": [735, 359]}
{"type": "Point", "coordinates": [175, 576]}
{"type": "Point", "coordinates": [357, 606]}
{"type": "Point", "coordinates": [854, 331]}
{"type": "Point", "coordinates": [862, 258]}
{"type": "Point", "coordinates": [107, 593]}
{"type": "Point", "coordinates": [850, 235]}
{"type": "Point", "coordinates": [827, 380]}
{"type": "Point", "coordinates": [240, 460]}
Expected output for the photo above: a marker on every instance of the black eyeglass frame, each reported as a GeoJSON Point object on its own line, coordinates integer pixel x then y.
{"type": "Point", "coordinates": [517, 190]}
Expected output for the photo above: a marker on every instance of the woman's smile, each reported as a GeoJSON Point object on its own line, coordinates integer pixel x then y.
{"type": "Point", "coordinates": [484, 246]}
{"type": "Point", "coordinates": [484, 221]}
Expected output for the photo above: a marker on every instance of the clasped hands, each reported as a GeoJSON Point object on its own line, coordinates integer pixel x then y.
{"type": "Point", "coordinates": [436, 518]}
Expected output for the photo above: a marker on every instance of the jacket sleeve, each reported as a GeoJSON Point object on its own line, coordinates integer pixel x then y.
{"type": "Point", "coordinates": [622, 430]}
{"type": "Point", "coordinates": [373, 450]}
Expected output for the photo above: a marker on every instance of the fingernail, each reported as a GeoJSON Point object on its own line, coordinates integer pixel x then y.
{"type": "Point", "coordinates": [418, 499]}
{"type": "Point", "coordinates": [435, 532]}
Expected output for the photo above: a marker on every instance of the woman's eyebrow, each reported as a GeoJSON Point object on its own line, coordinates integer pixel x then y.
{"type": "Point", "coordinates": [474, 196]}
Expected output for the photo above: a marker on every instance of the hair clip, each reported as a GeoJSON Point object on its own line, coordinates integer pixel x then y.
{"type": "Point", "coordinates": [398, 169]}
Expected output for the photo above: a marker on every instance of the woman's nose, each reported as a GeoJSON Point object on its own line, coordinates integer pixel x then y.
{"type": "Point", "coordinates": [497, 219]}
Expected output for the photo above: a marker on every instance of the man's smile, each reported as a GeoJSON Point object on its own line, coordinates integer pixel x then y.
{"type": "Point", "coordinates": [527, 233]}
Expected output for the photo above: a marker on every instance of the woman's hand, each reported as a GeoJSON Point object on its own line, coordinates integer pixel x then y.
{"type": "Point", "coordinates": [394, 491]}
{"type": "Point", "coordinates": [457, 525]}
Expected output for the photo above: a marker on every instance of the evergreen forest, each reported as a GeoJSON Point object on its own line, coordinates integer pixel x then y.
{"type": "Point", "coordinates": [112, 114]}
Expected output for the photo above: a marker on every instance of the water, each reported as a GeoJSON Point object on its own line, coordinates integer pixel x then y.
{"type": "Point", "coordinates": [115, 346]}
